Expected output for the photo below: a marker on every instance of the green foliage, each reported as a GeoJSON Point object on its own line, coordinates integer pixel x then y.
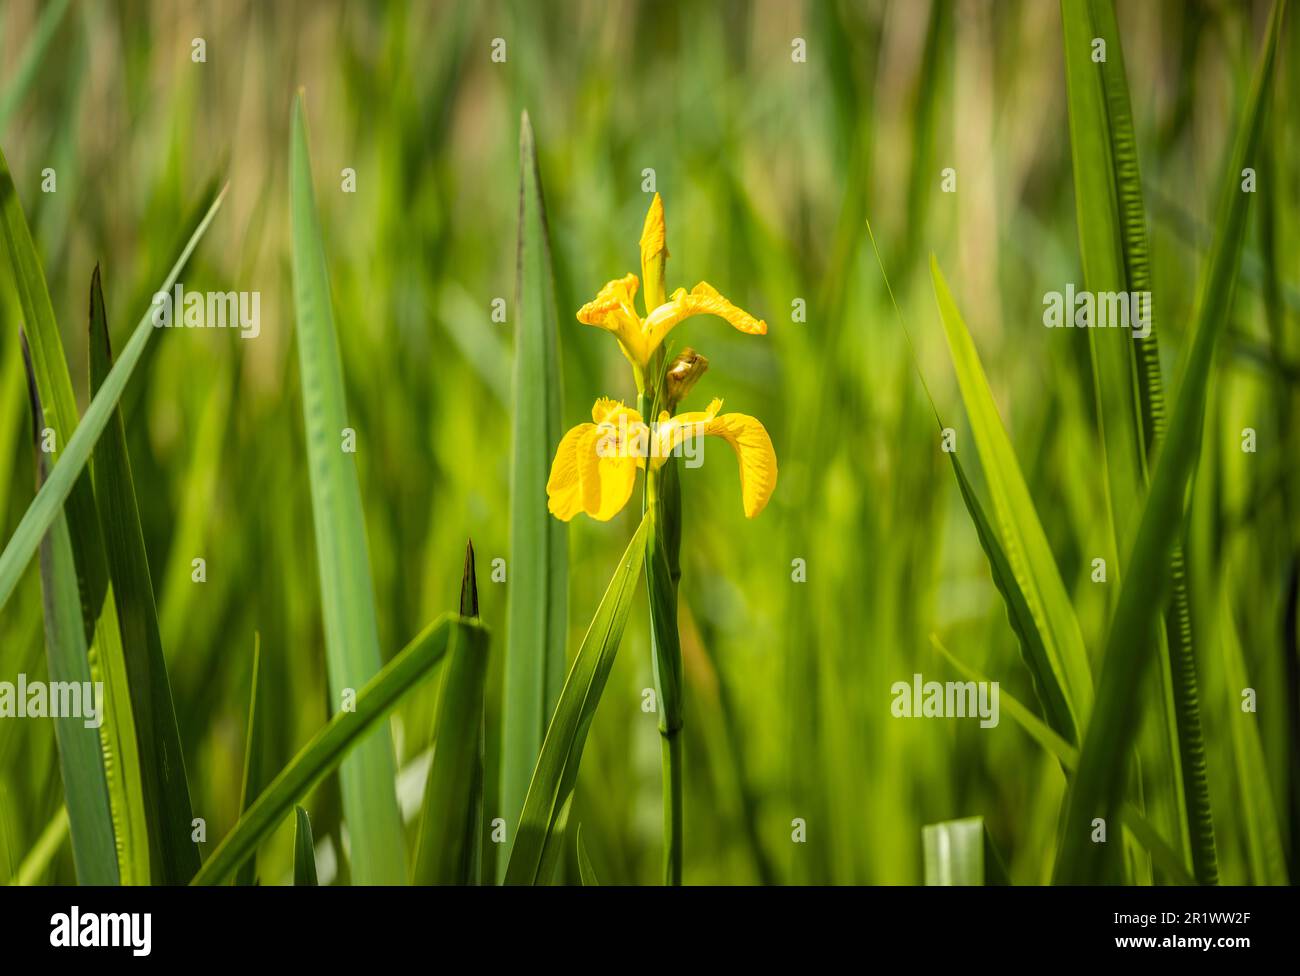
{"type": "Point", "coordinates": [538, 565]}
{"type": "Point", "coordinates": [1057, 656]}
{"type": "Point", "coordinates": [342, 556]}
{"type": "Point", "coordinates": [1098, 782]}
{"type": "Point", "coordinates": [451, 826]}
{"type": "Point", "coordinates": [430, 307]}
{"type": "Point", "coordinates": [1129, 394]}
{"type": "Point", "coordinates": [960, 852]}
{"type": "Point", "coordinates": [341, 735]}
{"type": "Point", "coordinates": [165, 792]}
{"type": "Point", "coordinates": [535, 854]}
{"type": "Point", "coordinates": [304, 850]}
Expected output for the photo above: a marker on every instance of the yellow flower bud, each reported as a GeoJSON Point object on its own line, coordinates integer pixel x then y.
{"type": "Point", "coordinates": [654, 253]}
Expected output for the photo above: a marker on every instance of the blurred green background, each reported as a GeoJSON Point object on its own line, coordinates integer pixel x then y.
{"type": "Point", "coordinates": [769, 168]}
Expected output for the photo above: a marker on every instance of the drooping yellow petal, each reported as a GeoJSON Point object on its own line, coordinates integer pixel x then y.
{"type": "Point", "coordinates": [654, 254]}
{"type": "Point", "coordinates": [670, 432]}
{"type": "Point", "coordinates": [595, 464]}
{"type": "Point", "coordinates": [606, 475]}
{"type": "Point", "coordinates": [746, 435]}
{"type": "Point", "coordinates": [703, 299]}
{"type": "Point", "coordinates": [753, 447]}
{"type": "Point", "coordinates": [701, 416]}
{"type": "Point", "coordinates": [613, 310]}
{"type": "Point", "coordinates": [564, 487]}
{"type": "Point", "coordinates": [589, 469]}
{"type": "Point", "coordinates": [617, 477]}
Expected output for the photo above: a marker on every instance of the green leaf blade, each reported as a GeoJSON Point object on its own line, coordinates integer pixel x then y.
{"type": "Point", "coordinates": [252, 779]}
{"type": "Point", "coordinates": [1065, 659]}
{"type": "Point", "coordinates": [68, 481]}
{"type": "Point", "coordinates": [450, 828]}
{"type": "Point", "coordinates": [304, 850]}
{"type": "Point", "coordinates": [343, 560]}
{"type": "Point", "coordinates": [76, 449]}
{"type": "Point", "coordinates": [85, 785]}
{"type": "Point", "coordinates": [546, 808]}
{"type": "Point", "coordinates": [538, 597]}
{"type": "Point", "coordinates": [1098, 783]}
{"type": "Point", "coordinates": [30, 60]}
{"type": "Point", "coordinates": [586, 872]}
{"type": "Point", "coordinates": [337, 739]}
{"type": "Point", "coordinates": [165, 790]}
{"type": "Point", "coordinates": [1129, 394]}
{"type": "Point", "coordinates": [960, 853]}
{"type": "Point", "coordinates": [1266, 854]}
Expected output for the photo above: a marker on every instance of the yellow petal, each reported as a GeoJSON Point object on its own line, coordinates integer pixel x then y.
{"type": "Point", "coordinates": [703, 299]}
{"type": "Point", "coordinates": [612, 310]}
{"type": "Point", "coordinates": [653, 233]}
{"type": "Point", "coordinates": [702, 416]}
{"type": "Point", "coordinates": [606, 481]}
{"type": "Point", "coordinates": [595, 465]}
{"type": "Point", "coordinates": [753, 447]}
{"type": "Point", "coordinates": [589, 469]}
{"type": "Point", "coordinates": [617, 476]}
{"type": "Point", "coordinates": [654, 253]}
{"type": "Point", "coordinates": [564, 487]}
{"type": "Point", "coordinates": [611, 301]}
{"type": "Point", "coordinates": [624, 433]}
{"type": "Point", "coordinates": [606, 410]}
{"type": "Point", "coordinates": [671, 431]}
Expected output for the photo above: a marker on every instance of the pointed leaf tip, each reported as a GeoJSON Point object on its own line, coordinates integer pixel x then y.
{"type": "Point", "coordinates": [469, 584]}
{"type": "Point", "coordinates": [33, 396]}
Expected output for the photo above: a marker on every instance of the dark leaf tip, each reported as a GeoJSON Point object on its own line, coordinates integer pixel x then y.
{"type": "Point", "coordinates": [469, 584]}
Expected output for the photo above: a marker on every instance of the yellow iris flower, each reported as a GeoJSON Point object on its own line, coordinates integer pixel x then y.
{"type": "Point", "coordinates": [595, 465]}
{"type": "Point", "coordinates": [614, 309]}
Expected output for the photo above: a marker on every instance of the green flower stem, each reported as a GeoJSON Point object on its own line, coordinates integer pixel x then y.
{"type": "Point", "coordinates": [663, 570]}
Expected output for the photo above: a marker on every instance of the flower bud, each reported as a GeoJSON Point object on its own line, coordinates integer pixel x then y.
{"type": "Point", "coordinates": [654, 253]}
{"type": "Point", "coordinates": [686, 368]}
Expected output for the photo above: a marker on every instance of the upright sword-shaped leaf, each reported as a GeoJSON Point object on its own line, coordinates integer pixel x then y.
{"type": "Point", "coordinates": [76, 449]}
{"type": "Point", "coordinates": [343, 559]}
{"type": "Point", "coordinates": [337, 739]}
{"type": "Point", "coordinates": [1096, 791]}
{"type": "Point", "coordinates": [537, 849]}
{"type": "Point", "coordinates": [85, 787]}
{"type": "Point", "coordinates": [165, 789]}
{"type": "Point", "coordinates": [1131, 406]}
{"type": "Point", "coordinates": [451, 828]}
{"type": "Point", "coordinates": [538, 568]}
